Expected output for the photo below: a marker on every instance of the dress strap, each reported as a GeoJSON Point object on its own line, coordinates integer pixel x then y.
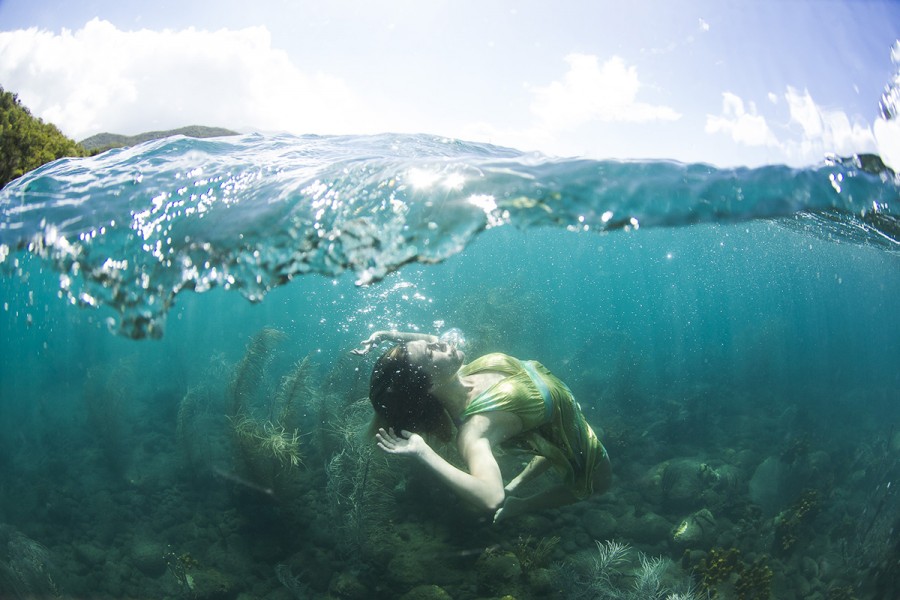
{"type": "Point", "coordinates": [541, 385]}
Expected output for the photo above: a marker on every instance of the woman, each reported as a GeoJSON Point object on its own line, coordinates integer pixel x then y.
{"type": "Point", "coordinates": [422, 386]}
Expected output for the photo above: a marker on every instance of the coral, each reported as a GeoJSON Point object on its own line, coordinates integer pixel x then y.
{"type": "Point", "coordinates": [183, 567]}
{"type": "Point", "coordinates": [648, 577]}
{"type": "Point", "coordinates": [26, 568]}
{"type": "Point", "coordinates": [196, 582]}
{"type": "Point", "coordinates": [790, 523]}
{"type": "Point", "coordinates": [291, 582]}
{"type": "Point", "coordinates": [841, 593]}
{"type": "Point", "coordinates": [724, 571]}
{"type": "Point", "coordinates": [610, 556]}
{"type": "Point", "coordinates": [429, 592]}
{"type": "Point", "coordinates": [755, 581]}
{"type": "Point", "coordinates": [718, 567]}
{"type": "Point", "coordinates": [612, 575]}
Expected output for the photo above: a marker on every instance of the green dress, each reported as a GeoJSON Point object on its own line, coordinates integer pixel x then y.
{"type": "Point", "coordinates": [553, 425]}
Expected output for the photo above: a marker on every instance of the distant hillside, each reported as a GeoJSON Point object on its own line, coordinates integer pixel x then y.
{"type": "Point", "coordinates": [105, 141]}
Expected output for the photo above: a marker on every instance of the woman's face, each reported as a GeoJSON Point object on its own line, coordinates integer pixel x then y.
{"type": "Point", "coordinates": [439, 359]}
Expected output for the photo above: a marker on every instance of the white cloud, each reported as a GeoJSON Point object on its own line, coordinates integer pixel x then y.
{"type": "Point", "coordinates": [744, 126]}
{"type": "Point", "coordinates": [811, 132]}
{"type": "Point", "coordinates": [593, 92]}
{"type": "Point", "coordinates": [824, 131]}
{"type": "Point", "coordinates": [805, 113]}
{"type": "Point", "coordinates": [101, 78]}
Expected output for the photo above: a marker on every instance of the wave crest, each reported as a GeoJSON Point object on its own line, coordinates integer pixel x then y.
{"type": "Point", "coordinates": [134, 227]}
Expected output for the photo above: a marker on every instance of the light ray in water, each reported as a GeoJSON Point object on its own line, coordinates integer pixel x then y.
{"type": "Point", "coordinates": [235, 478]}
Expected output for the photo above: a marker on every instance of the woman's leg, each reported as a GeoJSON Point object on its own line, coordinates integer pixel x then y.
{"type": "Point", "coordinates": [536, 467]}
{"type": "Point", "coordinates": [556, 496]}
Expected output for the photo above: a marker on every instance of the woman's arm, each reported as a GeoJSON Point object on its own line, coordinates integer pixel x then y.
{"type": "Point", "coordinates": [392, 336]}
{"type": "Point", "coordinates": [482, 485]}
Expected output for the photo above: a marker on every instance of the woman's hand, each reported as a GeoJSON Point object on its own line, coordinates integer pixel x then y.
{"type": "Point", "coordinates": [369, 343]}
{"type": "Point", "coordinates": [407, 443]}
{"type": "Point", "coordinates": [394, 336]}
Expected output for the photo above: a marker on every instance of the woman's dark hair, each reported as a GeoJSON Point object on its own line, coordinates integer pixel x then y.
{"type": "Point", "coordinates": [399, 393]}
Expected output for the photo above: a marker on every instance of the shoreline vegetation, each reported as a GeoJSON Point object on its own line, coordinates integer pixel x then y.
{"type": "Point", "coordinates": [27, 142]}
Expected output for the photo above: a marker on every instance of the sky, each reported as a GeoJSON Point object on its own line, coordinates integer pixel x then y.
{"type": "Point", "coordinates": [723, 82]}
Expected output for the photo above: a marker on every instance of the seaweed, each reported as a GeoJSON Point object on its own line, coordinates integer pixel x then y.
{"type": "Point", "coordinates": [185, 429]}
{"type": "Point", "coordinates": [357, 488]}
{"type": "Point", "coordinates": [250, 372]}
{"type": "Point", "coordinates": [262, 420]}
{"type": "Point", "coordinates": [198, 420]}
{"type": "Point", "coordinates": [295, 387]}
{"type": "Point", "coordinates": [263, 432]}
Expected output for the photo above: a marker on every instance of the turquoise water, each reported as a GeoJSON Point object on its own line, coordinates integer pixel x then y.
{"type": "Point", "coordinates": [732, 334]}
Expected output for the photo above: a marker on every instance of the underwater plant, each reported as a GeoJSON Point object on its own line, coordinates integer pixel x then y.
{"type": "Point", "coordinates": [261, 442]}
{"type": "Point", "coordinates": [187, 430]}
{"type": "Point", "coordinates": [344, 383]}
{"type": "Point", "coordinates": [264, 422]}
{"type": "Point", "coordinates": [533, 554]}
{"type": "Point", "coordinates": [612, 574]}
{"type": "Point", "coordinates": [358, 491]}
{"type": "Point", "coordinates": [250, 372]}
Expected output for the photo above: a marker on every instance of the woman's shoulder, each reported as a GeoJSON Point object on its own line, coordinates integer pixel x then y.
{"type": "Point", "coordinates": [493, 361]}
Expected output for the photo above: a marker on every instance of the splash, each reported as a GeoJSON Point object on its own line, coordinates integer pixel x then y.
{"type": "Point", "coordinates": [133, 228]}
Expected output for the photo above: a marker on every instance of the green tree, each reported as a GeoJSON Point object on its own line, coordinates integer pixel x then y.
{"type": "Point", "coordinates": [26, 142]}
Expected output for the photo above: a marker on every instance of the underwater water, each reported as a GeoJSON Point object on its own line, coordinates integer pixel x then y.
{"type": "Point", "coordinates": [180, 415]}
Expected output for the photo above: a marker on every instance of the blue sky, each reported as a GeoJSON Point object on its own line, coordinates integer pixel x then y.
{"type": "Point", "coordinates": [730, 83]}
